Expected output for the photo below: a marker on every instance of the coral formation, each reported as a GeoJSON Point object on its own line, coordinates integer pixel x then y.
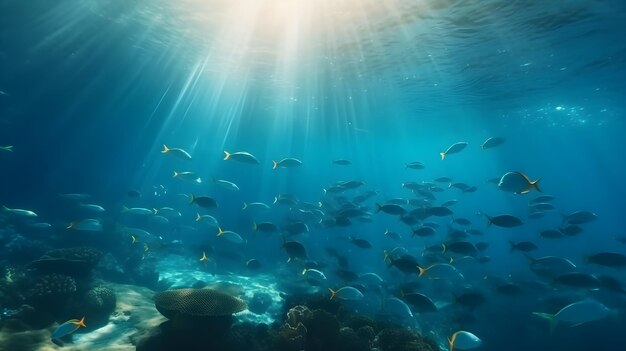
{"type": "Point", "coordinates": [77, 262]}
{"type": "Point", "coordinates": [400, 339]}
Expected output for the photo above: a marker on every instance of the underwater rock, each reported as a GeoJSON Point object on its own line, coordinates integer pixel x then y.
{"type": "Point", "coordinates": [399, 339]}
{"type": "Point", "coordinates": [260, 303]}
{"type": "Point", "coordinates": [99, 303]}
{"type": "Point", "coordinates": [366, 333]}
{"type": "Point", "coordinates": [350, 340]}
{"type": "Point", "coordinates": [53, 289]}
{"type": "Point", "coordinates": [77, 262]}
{"type": "Point", "coordinates": [316, 330]}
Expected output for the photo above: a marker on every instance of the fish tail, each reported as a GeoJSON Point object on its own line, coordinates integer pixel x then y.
{"type": "Point", "coordinates": [443, 155]}
{"type": "Point", "coordinates": [513, 247]}
{"type": "Point", "coordinates": [549, 317]}
{"type": "Point", "coordinates": [275, 199]}
{"type": "Point", "coordinates": [422, 270]}
{"type": "Point", "coordinates": [377, 208]}
{"type": "Point", "coordinates": [245, 205]}
{"type": "Point", "coordinates": [175, 174]}
{"type": "Point", "coordinates": [535, 184]}
{"type": "Point", "coordinates": [81, 323]}
{"type": "Point", "coordinates": [226, 155]}
{"type": "Point", "coordinates": [125, 209]}
{"type": "Point", "coordinates": [451, 342]}
{"type": "Point", "coordinates": [254, 226]}
{"type": "Point", "coordinates": [193, 198]}
{"type": "Point", "coordinates": [443, 249]}
{"type": "Point", "coordinates": [332, 293]}
{"type": "Point", "coordinates": [71, 225]}
{"type": "Point", "coordinates": [275, 164]}
{"type": "Point", "coordinates": [304, 271]}
{"type": "Point", "coordinates": [198, 217]}
{"type": "Point", "coordinates": [165, 149]}
{"type": "Point", "coordinates": [220, 232]}
{"type": "Point", "coordinates": [5, 209]}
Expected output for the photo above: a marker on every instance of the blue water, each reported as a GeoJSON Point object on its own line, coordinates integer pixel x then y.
{"type": "Point", "coordinates": [91, 90]}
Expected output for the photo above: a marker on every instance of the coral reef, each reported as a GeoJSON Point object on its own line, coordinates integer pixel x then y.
{"type": "Point", "coordinates": [77, 262]}
{"type": "Point", "coordinates": [400, 339]}
{"type": "Point", "coordinates": [97, 305]}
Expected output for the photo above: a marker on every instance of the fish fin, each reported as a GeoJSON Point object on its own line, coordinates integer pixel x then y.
{"type": "Point", "coordinates": [275, 199]}
{"type": "Point", "coordinates": [443, 155]}
{"type": "Point", "coordinates": [275, 164]}
{"type": "Point", "coordinates": [387, 257]}
{"type": "Point", "coordinates": [254, 226]}
{"type": "Point", "coordinates": [226, 155]}
{"type": "Point", "coordinates": [80, 323]}
{"type": "Point", "coordinates": [193, 198]}
{"type": "Point", "coordinates": [155, 210]}
{"type": "Point", "coordinates": [535, 184]}
{"type": "Point", "coordinates": [550, 317]}
{"type": "Point", "coordinates": [220, 232]}
{"type": "Point", "coordinates": [512, 246]}
{"type": "Point", "coordinates": [124, 208]}
{"type": "Point", "coordinates": [422, 270]}
{"type": "Point", "coordinates": [332, 293]}
{"type": "Point", "coordinates": [245, 205]}
{"type": "Point", "coordinates": [165, 149]}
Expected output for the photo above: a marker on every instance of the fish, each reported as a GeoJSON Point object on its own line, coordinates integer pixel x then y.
{"type": "Point", "coordinates": [208, 219]}
{"type": "Point", "coordinates": [203, 201]}
{"type": "Point", "coordinates": [255, 205]}
{"type": "Point", "coordinates": [551, 234]}
{"type": "Point", "coordinates": [295, 228]}
{"type": "Point", "coordinates": [504, 221]}
{"type": "Point", "coordinates": [287, 163]}
{"type": "Point", "coordinates": [440, 271]}
{"type": "Point", "coordinates": [492, 142]}
{"type": "Point", "coordinates": [518, 183]}
{"type": "Point", "coordinates": [313, 274]}
{"type": "Point", "coordinates": [226, 184]}
{"type": "Point", "coordinates": [571, 230]}
{"type": "Point", "coordinates": [89, 225]}
{"type": "Point", "coordinates": [424, 231]}
{"type": "Point", "coordinates": [576, 313]}
{"type": "Point", "coordinates": [18, 212]}
{"type": "Point", "coordinates": [443, 180]}
{"type": "Point", "coordinates": [579, 217]}
{"type": "Point", "coordinates": [406, 265]}
{"type": "Point", "coordinates": [342, 162]}
{"type": "Point", "coordinates": [67, 328]}
{"type": "Point", "coordinates": [371, 279]}
{"type": "Point", "coordinates": [541, 199]}
{"type": "Point", "coordinates": [578, 280]}
{"type": "Point", "coordinates": [133, 194]}
{"type": "Point", "coordinates": [8, 148]}
{"type": "Point", "coordinates": [462, 221]}
{"type": "Point", "coordinates": [524, 246]}
{"type": "Point", "coordinates": [40, 225]}
{"type": "Point", "coordinates": [541, 206]}
{"type": "Point", "coordinates": [295, 250]}
{"type": "Point", "coordinates": [265, 227]}
{"type": "Point", "coordinates": [550, 266]}
{"type": "Point", "coordinates": [241, 156]}
{"type": "Point", "coordinates": [439, 211]}
{"type": "Point", "coordinates": [414, 165]}
{"type": "Point", "coordinates": [361, 243]}
{"type": "Point", "coordinates": [420, 302]}
{"type": "Point", "coordinates": [607, 259]}
{"type": "Point", "coordinates": [464, 340]}
{"type": "Point", "coordinates": [392, 235]}
{"type": "Point", "coordinates": [139, 211]}
{"type": "Point", "coordinates": [391, 209]}
{"type": "Point", "coordinates": [482, 246]}
{"type": "Point", "coordinates": [509, 289]}
{"type": "Point", "coordinates": [92, 207]}
{"type": "Point", "coordinates": [230, 236]}
{"type": "Point", "coordinates": [253, 264]}
{"type": "Point", "coordinates": [177, 152]}
{"type": "Point", "coordinates": [397, 307]}
{"type": "Point", "coordinates": [346, 293]}
{"type": "Point", "coordinates": [460, 247]}
{"type": "Point", "coordinates": [453, 149]}
{"type": "Point", "coordinates": [189, 176]}
{"type": "Point", "coordinates": [203, 258]}
{"type": "Point", "coordinates": [167, 212]}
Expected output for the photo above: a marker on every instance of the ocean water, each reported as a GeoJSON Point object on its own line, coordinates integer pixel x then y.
{"type": "Point", "coordinates": [90, 91]}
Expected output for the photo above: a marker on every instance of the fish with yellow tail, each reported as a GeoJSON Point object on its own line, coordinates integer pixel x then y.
{"type": "Point", "coordinates": [518, 183]}
{"type": "Point", "coordinates": [67, 328]}
{"type": "Point", "coordinates": [176, 152]}
{"type": "Point", "coordinates": [289, 162]}
{"type": "Point", "coordinates": [453, 149]}
{"type": "Point", "coordinates": [203, 258]}
{"type": "Point", "coordinates": [242, 156]}
{"type": "Point", "coordinates": [346, 293]}
{"type": "Point", "coordinates": [577, 313]}
{"type": "Point", "coordinates": [464, 340]}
